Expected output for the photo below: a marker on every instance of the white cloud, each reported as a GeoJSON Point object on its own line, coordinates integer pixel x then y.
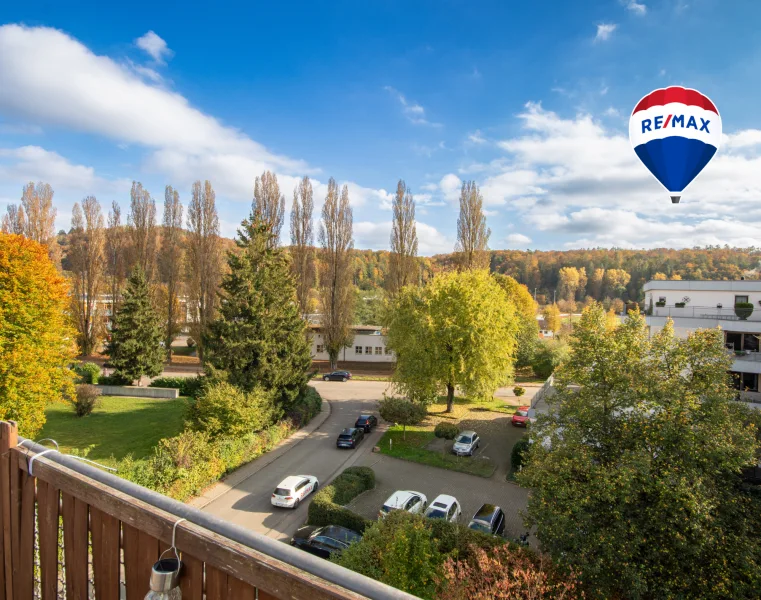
{"type": "Point", "coordinates": [414, 112]}
{"type": "Point", "coordinates": [155, 46]}
{"type": "Point", "coordinates": [476, 137]}
{"type": "Point", "coordinates": [376, 235]}
{"type": "Point", "coordinates": [450, 186]}
{"type": "Point", "coordinates": [604, 31]}
{"type": "Point", "coordinates": [518, 239]}
{"type": "Point", "coordinates": [636, 7]}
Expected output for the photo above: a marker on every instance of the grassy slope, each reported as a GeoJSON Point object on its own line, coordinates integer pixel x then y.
{"type": "Point", "coordinates": [120, 426]}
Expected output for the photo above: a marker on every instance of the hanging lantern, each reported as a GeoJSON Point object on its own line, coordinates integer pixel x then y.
{"type": "Point", "coordinates": [165, 580]}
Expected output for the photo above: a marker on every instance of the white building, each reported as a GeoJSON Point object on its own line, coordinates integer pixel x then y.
{"type": "Point", "coordinates": [707, 304]}
{"type": "Point", "coordinates": [369, 345]}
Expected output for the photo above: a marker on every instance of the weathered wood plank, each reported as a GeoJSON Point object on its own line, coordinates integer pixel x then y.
{"type": "Point", "coordinates": [105, 554]}
{"type": "Point", "coordinates": [265, 596]}
{"type": "Point", "coordinates": [148, 554]}
{"type": "Point", "coordinates": [191, 578]}
{"type": "Point", "coordinates": [25, 582]}
{"type": "Point", "coordinates": [256, 568]}
{"type": "Point", "coordinates": [8, 440]}
{"type": "Point", "coordinates": [75, 544]}
{"type": "Point", "coordinates": [47, 515]}
{"type": "Point", "coordinates": [240, 590]}
{"type": "Point", "coordinates": [216, 584]}
{"type": "Point", "coordinates": [14, 510]}
{"type": "Point", "coordinates": [132, 574]}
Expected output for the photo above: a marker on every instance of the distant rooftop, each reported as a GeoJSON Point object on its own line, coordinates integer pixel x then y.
{"type": "Point", "coordinates": [706, 286]}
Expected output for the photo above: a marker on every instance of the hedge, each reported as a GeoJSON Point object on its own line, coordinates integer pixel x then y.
{"type": "Point", "coordinates": [188, 386]}
{"type": "Point", "coordinates": [518, 453]}
{"type": "Point", "coordinates": [87, 373]}
{"type": "Point", "coordinates": [458, 541]}
{"type": "Point", "coordinates": [327, 507]}
{"type": "Point", "coordinates": [306, 407]}
{"type": "Point", "coordinates": [445, 430]}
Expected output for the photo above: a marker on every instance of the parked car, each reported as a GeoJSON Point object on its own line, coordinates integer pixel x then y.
{"type": "Point", "coordinates": [350, 437]}
{"type": "Point", "coordinates": [521, 418]}
{"type": "Point", "coordinates": [293, 489]}
{"type": "Point", "coordinates": [465, 443]}
{"type": "Point", "coordinates": [324, 541]}
{"type": "Point", "coordinates": [413, 502]}
{"type": "Point", "coordinates": [444, 507]}
{"type": "Point", "coordinates": [366, 422]}
{"type": "Point", "coordinates": [337, 376]}
{"type": "Point", "coordinates": [488, 519]}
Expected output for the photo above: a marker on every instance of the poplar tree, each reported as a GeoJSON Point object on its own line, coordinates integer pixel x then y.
{"type": "Point", "coordinates": [170, 260]}
{"type": "Point", "coordinates": [472, 233]}
{"type": "Point", "coordinates": [115, 249]}
{"type": "Point", "coordinates": [269, 204]}
{"type": "Point", "coordinates": [403, 258]}
{"type": "Point", "coordinates": [336, 289]}
{"type": "Point", "coordinates": [302, 242]}
{"type": "Point", "coordinates": [258, 337]}
{"type": "Point", "coordinates": [142, 228]}
{"type": "Point", "coordinates": [135, 348]}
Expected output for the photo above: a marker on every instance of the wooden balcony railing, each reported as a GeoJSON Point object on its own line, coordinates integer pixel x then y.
{"type": "Point", "coordinates": [70, 530]}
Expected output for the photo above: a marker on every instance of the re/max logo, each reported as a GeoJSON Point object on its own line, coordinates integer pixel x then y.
{"type": "Point", "coordinates": [659, 123]}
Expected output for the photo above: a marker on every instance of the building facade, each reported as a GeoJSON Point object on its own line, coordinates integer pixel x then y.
{"type": "Point", "coordinates": [369, 345]}
{"type": "Point", "coordinates": [695, 305]}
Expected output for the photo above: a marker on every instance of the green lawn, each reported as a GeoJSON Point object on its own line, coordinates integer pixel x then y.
{"type": "Point", "coordinates": [120, 426]}
{"type": "Point", "coordinates": [412, 447]}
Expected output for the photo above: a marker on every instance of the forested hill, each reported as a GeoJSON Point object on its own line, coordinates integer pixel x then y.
{"type": "Point", "coordinates": [598, 273]}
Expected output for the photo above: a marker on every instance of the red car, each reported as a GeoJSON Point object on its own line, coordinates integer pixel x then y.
{"type": "Point", "coordinates": [520, 418]}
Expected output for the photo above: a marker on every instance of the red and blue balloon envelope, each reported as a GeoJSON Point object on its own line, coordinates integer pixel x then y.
{"type": "Point", "coordinates": [675, 132]}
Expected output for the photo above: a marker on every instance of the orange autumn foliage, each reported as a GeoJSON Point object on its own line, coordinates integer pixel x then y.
{"type": "Point", "coordinates": [36, 339]}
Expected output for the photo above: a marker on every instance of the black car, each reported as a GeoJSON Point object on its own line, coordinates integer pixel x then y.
{"type": "Point", "coordinates": [488, 519]}
{"type": "Point", "coordinates": [324, 541]}
{"type": "Point", "coordinates": [366, 422]}
{"type": "Point", "coordinates": [350, 437]}
{"type": "Point", "coordinates": [337, 376]}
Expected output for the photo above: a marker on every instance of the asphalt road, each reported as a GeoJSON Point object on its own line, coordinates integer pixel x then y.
{"type": "Point", "coordinates": [248, 503]}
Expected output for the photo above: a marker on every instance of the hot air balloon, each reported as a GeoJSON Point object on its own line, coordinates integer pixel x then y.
{"type": "Point", "coordinates": [675, 132]}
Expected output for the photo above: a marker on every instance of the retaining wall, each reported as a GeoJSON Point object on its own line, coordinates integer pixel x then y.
{"type": "Point", "coordinates": [138, 392]}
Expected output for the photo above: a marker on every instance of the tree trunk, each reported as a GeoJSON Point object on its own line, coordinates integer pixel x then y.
{"type": "Point", "coordinates": [450, 397]}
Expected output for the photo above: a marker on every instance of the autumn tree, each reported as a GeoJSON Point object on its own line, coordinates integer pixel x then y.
{"type": "Point", "coordinates": [636, 470]}
{"type": "Point", "coordinates": [13, 220]}
{"type": "Point", "coordinates": [402, 411]}
{"type": "Point", "coordinates": [336, 290]}
{"type": "Point", "coordinates": [115, 250]}
{"type": "Point", "coordinates": [552, 317]}
{"type": "Point", "coordinates": [36, 339]}
{"type": "Point", "coordinates": [569, 280]}
{"type": "Point", "coordinates": [258, 337]}
{"type": "Point", "coordinates": [527, 335]}
{"type": "Point", "coordinates": [302, 242]}
{"type": "Point", "coordinates": [615, 281]}
{"type": "Point", "coordinates": [596, 280]}
{"type": "Point", "coordinates": [458, 331]}
{"type": "Point", "coordinates": [87, 260]}
{"type": "Point", "coordinates": [141, 224]}
{"type": "Point", "coordinates": [203, 263]}
{"type": "Point", "coordinates": [36, 217]}
{"type": "Point", "coordinates": [402, 267]}
{"type": "Point", "coordinates": [269, 204]}
{"type": "Point", "coordinates": [472, 233]}
{"type": "Point", "coordinates": [170, 261]}
{"type": "Point", "coordinates": [135, 348]}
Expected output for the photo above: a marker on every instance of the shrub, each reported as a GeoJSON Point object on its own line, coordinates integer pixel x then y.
{"type": "Point", "coordinates": [188, 386]}
{"type": "Point", "coordinates": [743, 310]}
{"type": "Point", "coordinates": [445, 430]}
{"type": "Point", "coordinates": [306, 406]}
{"type": "Point", "coordinates": [548, 356]}
{"type": "Point", "coordinates": [327, 507]}
{"type": "Point", "coordinates": [87, 372]}
{"type": "Point", "coordinates": [191, 342]}
{"type": "Point", "coordinates": [225, 410]}
{"type": "Point", "coordinates": [86, 398]}
{"type": "Point", "coordinates": [518, 453]}
{"type": "Point", "coordinates": [114, 379]}
{"type": "Point", "coordinates": [519, 391]}
{"type": "Point", "coordinates": [401, 411]}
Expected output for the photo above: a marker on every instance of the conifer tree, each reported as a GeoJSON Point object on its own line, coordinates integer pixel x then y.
{"type": "Point", "coordinates": [258, 337]}
{"type": "Point", "coordinates": [135, 347]}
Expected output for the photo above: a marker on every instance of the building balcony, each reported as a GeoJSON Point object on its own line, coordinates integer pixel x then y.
{"type": "Point", "coordinates": [713, 313]}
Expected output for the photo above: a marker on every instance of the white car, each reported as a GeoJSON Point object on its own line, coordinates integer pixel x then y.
{"type": "Point", "coordinates": [413, 502]}
{"type": "Point", "coordinates": [293, 489]}
{"type": "Point", "coordinates": [444, 507]}
{"type": "Point", "coordinates": [465, 443]}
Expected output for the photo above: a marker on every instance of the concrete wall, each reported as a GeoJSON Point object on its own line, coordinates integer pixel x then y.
{"type": "Point", "coordinates": [138, 392]}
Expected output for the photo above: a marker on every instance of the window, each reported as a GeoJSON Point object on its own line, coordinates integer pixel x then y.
{"type": "Point", "coordinates": [387, 350]}
{"type": "Point", "coordinates": [452, 510]}
{"type": "Point", "coordinates": [320, 348]}
{"type": "Point", "coordinates": [358, 350]}
{"type": "Point", "coordinates": [741, 299]}
{"type": "Point", "coordinates": [378, 350]}
{"type": "Point", "coordinates": [368, 350]}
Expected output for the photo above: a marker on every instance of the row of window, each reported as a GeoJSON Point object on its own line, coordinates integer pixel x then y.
{"type": "Point", "coordinates": [379, 350]}
{"type": "Point", "coordinates": [738, 299]}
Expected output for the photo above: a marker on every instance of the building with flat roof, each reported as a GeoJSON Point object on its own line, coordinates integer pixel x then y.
{"type": "Point", "coordinates": [708, 304]}
{"type": "Point", "coordinates": [369, 345]}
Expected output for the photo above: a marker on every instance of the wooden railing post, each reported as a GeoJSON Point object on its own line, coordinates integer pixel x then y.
{"type": "Point", "coordinates": [8, 480]}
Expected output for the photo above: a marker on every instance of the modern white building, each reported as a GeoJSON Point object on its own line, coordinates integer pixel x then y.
{"type": "Point", "coordinates": [707, 304]}
{"type": "Point", "coordinates": [369, 345]}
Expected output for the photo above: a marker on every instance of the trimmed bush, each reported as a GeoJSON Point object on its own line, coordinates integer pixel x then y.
{"type": "Point", "coordinates": [445, 430]}
{"type": "Point", "coordinates": [188, 386]}
{"type": "Point", "coordinates": [518, 453]}
{"type": "Point", "coordinates": [743, 310]}
{"type": "Point", "coordinates": [226, 410]}
{"type": "Point", "coordinates": [86, 398]}
{"type": "Point", "coordinates": [87, 372]}
{"type": "Point", "coordinates": [519, 391]}
{"type": "Point", "coordinates": [327, 507]}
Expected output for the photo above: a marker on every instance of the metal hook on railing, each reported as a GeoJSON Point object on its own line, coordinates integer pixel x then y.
{"type": "Point", "coordinates": [31, 459]}
{"type": "Point", "coordinates": [174, 537]}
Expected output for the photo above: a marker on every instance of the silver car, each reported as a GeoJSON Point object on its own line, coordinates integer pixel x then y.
{"type": "Point", "coordinates": [465, 443]}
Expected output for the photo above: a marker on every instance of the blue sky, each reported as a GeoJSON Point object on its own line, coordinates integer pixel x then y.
{"type": "Point", "coordinates": [530, 99]}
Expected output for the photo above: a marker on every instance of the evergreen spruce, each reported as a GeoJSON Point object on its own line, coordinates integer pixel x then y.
{"type": "Point", "coordinates": [259, 337]}
{"type": "Point", "coordinates": [135, 348]}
